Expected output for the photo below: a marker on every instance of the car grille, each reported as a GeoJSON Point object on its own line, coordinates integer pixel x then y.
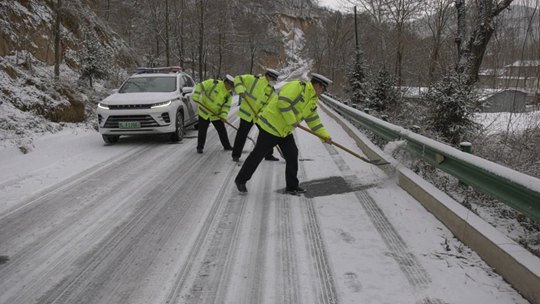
{"type": "Point", "coordinates": [145, 120]}
{"type": "Point", "coordinates": [130, 107]}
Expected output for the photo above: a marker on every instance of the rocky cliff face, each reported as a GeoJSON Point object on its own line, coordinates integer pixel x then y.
{"type": "Point", "coordinates": [28, 25]}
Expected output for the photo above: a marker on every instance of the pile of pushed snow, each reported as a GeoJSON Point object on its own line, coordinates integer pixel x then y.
{"type": "Point", "coordinates": [33, 103]}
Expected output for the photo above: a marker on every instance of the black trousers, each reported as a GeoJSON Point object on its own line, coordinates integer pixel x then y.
{"type": "Point", "coordinates": [220, 128]}
{"type": "Point", "coordinates": [241, 137]}
{"type": "Point", "coordinates": [265, 143]}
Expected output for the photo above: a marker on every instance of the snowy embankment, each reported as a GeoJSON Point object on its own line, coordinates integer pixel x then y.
{"type": "Point", "coordinates": [508, 122]}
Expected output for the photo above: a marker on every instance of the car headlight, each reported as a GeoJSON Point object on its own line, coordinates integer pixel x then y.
{"type": "Point", "coordinates": [103, 106]}
{"type": "Point", "coordinates": [161, 104]}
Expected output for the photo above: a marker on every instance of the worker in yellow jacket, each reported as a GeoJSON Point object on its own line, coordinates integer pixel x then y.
{"type": "Point", "coordinates": [255, 92]}
{"type": "Point", "coordinates": [214, 99]}
{"type": "Point", "coordinates": [296, 102]}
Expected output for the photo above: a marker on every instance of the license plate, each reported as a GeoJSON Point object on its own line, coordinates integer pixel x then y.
{"type": "Point", "coordinates": [129, 124]}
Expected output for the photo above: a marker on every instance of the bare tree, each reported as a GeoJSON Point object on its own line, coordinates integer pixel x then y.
{"type": "Point", "coordinates": [437, 20]}
{"type": "Point", "coordinates": [179, 30]}
{"type": "Point", "coordinates": [471, 51]}
{"type": "Point", "coordinates": [376, 9]}
{"type": "Point", "coordinates": [340, 33]}
{"type": "Point", "coordinates": [202, 8]}
{"type": "Point", "coordinates": [400, 13]}
{"type": "Point", "coordinates": [57, 50]}
{"type": "Point", "coordinates": [167, 49]}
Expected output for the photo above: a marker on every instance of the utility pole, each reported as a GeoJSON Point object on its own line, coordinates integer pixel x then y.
{"type": "Point", "coordinates": [201, 40]}
{"type": "Point", "coordinates": [167, 50]}
{"type": "Point", "coordinates": [355, 29]}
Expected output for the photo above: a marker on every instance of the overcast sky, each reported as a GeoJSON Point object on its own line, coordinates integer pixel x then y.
{"type": "Point", "coordinates": [344, 4]}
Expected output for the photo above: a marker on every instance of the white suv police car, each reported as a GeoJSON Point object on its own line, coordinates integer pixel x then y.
{"type": "Point", "coordinates": [152, 101]}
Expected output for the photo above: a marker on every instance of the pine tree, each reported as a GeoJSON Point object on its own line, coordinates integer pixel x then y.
{"type": "Point", "coordinates": [451, 103]}
{"type": "Point", "coordinates": [94, 59]}
{"type": "Point", "coordinates": [358, 83]}
{"type": "Point", "coordinates": [383, 95]}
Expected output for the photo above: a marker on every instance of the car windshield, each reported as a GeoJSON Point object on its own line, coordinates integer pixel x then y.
{"type": "Point", "coordinates": [149, 84]}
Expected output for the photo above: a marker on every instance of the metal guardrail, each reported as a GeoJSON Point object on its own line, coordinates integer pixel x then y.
{"type": "Point", "coordinates": [518, 190]}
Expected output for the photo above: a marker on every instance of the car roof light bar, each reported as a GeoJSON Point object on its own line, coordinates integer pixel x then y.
{"type": "Point", "coordinates": [145, 70]}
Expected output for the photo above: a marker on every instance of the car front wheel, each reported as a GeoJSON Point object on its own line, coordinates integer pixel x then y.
{"type": "Point", "coordinates": [178, 134]}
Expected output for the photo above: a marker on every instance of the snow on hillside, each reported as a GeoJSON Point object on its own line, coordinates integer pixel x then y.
{"type": "Point", "coordinates": [33, 104]}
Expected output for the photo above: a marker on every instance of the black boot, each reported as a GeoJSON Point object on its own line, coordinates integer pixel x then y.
{"type": "Point", "coordinates": [295, 191]}
{"type": "Point", "coordinates": [241, 187]}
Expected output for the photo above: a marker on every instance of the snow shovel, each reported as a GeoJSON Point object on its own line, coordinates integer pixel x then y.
{"type": "Point", "coordinates": [224, 120]}
{"type": "Point", "coordinates": [376, 162]}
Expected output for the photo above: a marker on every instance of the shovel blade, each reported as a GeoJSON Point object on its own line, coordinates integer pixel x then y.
{"type": "Point", "coordinates": [379, 162]}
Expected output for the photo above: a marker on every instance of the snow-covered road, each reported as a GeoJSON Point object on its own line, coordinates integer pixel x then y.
{"type": "Point", "coordinates": [146, 221]}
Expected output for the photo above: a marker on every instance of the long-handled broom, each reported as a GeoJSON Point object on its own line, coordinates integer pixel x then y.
{"type": "Point", "coordinates": [376, 162]}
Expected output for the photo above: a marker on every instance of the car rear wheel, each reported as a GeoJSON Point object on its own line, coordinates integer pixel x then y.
{"type": "Point", "coordinates": [178, 134]}
{"type": "Point", "coordinates": [110, 139]}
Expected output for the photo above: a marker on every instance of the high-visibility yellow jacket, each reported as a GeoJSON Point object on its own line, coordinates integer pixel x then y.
{"type": "Point", "coordinates": [296, 101]}
{"type": "Point", "coordinates": [213, 95]}
{"type": "Point", "coordinates": [257, 93]}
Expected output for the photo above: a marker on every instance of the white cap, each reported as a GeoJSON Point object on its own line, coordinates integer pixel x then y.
{"type": "Point", "coordinates": [321, 79]}
{"type": "Point", "coordinates": [229, 78]}
{"type": "Point", "coordinates": [272, 73]}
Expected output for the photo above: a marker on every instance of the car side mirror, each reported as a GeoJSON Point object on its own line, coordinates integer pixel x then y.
{"type": "Point", "coordinates": [187, 90]}
{"type": "Point", "coordinates": [114, 91]}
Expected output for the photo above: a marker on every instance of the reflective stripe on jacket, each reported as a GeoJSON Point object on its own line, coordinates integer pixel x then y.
{"type": "Point", "coordinates": [214, 96]}
{"type": "Point", "coordinates": [296, 101]}
{"type": "Point", "coordinates": [257, 92]}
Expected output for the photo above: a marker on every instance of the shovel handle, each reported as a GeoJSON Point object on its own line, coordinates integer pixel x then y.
{"type": "Point", "coordinates": [222, 119]}
{"type": "Point", "coordinates": [335, 144]}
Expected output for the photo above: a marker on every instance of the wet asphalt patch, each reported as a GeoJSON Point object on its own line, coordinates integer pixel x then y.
{"type": "Point", "coordinates": [329, 186]}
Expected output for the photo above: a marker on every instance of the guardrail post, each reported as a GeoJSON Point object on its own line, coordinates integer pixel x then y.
{"type": "Point", "coordinates": [384, 117]}
{"type": "Point", "coordinates": [366, 110]}
{"type": "Point", "coordinates": [467, 148]}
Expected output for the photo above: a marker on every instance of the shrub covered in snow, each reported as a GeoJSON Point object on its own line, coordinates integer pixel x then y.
{"type": "Point", "coordinates": [451, 107]}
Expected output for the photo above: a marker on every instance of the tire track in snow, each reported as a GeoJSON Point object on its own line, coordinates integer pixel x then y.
{"type": "Point", "coordinates": [288, 286]}
{"type": "Point", "coordinates": [86, 190]}
{"type": "Point", "coordinates": [409, 265]}
{"type": "Point", "coordinates": [52, 214]}
{"type": "Point", "coordinates": [200, 282]}
{"type": "Point", "coordinates": [324, 285]}
{"type": "Point", "coordinates": [64, 185]}
{"type": "Point", "coordinates": [211, 279]}
{"type": "Point", "coordinates": [215, 223]}
{"type": "Point", "coordinates": [258, 244]}
{"type": "Point", "coordinates": [109, 261]}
